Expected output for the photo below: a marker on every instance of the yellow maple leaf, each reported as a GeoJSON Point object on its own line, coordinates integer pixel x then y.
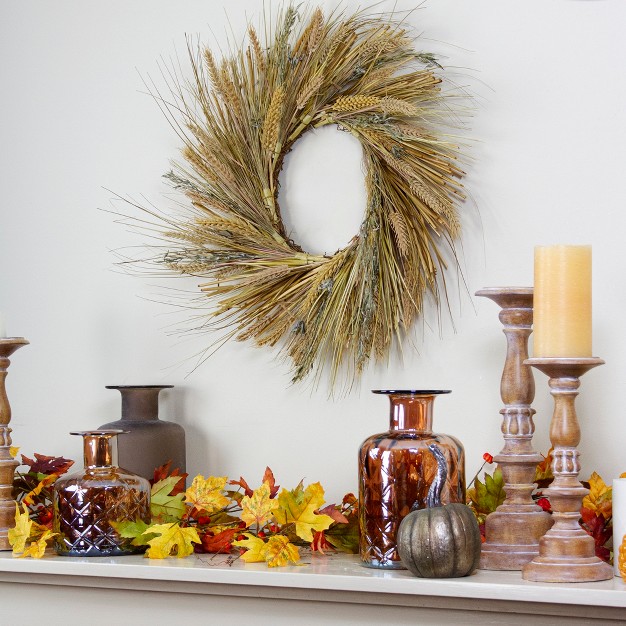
{"type": "Point", "coordinates": [259, 507]}
{"type": "Point", "coordinates": [622, 475]}
{"type": "Point", "coordinates": [45, 482]}
{"type": "Point", "coordinates": [38, 548]}
{"type": "Point", "coordinates": [14, 451]}
{"type": "Point", "coordinates": [172, 540]}
{"type": "Point", "coordinates": [37, 531]}
{"type": "Point", "coordinates": [599, 497]}
{"type": "Point", "coordinates": [206, 493]}
{"type": "Point", "coordinates": [298, 507]}
{"type": "Point", "coordinates": [280, 551]}
{"type": "Point", "coordinates": [256, 548]}
{"type": "Point", "coordinates": [19, 534]}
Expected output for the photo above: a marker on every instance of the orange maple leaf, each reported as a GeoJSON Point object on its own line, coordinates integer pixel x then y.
{"type": "Point", "coordinates": [268, 477]}
{"type": "Point", "coordinates": [165, 471]}
{"type": "Point", "coordinates": [243, 484]}
{"type": "Point", "coordinates": [221, 542]}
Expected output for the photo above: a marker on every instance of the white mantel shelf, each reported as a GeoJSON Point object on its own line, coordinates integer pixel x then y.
{"type": "Point", "coordinates": [331, 582]}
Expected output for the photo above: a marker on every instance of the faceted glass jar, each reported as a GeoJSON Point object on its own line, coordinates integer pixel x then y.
{"type": "Point", "coordinates": [396, 470]}
{"type": "Point", "coordinates": [86, 502]}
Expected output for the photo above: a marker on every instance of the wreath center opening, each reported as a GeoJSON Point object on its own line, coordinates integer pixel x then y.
{"type": "Point", "coordinates": [322, 194]}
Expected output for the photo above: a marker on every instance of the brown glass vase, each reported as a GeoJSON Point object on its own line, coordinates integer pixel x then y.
{"type": "Point", "coordinates": [88, 503]}
{"type": "Point", "coordinates": [149, 442]}
{"type": "Point", "coordinates": [396, 469]}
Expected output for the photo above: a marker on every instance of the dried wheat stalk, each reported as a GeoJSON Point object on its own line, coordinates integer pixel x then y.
{"type": "Point", "coordinates": [363, 73]}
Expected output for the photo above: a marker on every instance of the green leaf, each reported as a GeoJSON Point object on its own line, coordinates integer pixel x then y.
{"type": "Point", "coordinates": [138, 531]}
{"type": "Point", "coordinates": [488, 496]}
{"type": "Point", "coordinates": [164, 506]}
{"type": "Point", "coordinates": [344, 537]}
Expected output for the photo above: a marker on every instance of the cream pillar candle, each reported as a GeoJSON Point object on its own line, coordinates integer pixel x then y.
{"type": "Point", "coordinates": [619, 518]}
{"type": "Point", "coordinates": [562, 301]}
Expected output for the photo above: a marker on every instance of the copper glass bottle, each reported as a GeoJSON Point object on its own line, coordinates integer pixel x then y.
{"type": "Point", "coordinates": [86, 502]}
{"type": "Point", "coordinates": [396, 469]}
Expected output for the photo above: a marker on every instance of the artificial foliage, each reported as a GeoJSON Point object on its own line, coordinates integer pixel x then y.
{"type": "Point", "coordinates": [596, 512]}
{"type": "Point", "coordinates": [239, 116]}
{"type": "Point", "coordinates": [213, 515]}
{"type": "Point", "coordinates": [33, 493]}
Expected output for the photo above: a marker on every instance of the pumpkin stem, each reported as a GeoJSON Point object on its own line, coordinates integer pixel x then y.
{"type": "Point", "coordinates": [434, 493]}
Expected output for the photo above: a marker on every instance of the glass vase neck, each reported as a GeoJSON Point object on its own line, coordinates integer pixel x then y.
{"type": "Point", "coordinates": [99, 447]}
{"type": "Point", "coordinates": [140, 402]}
{"type": "Point", "coordinates": [411, 409]}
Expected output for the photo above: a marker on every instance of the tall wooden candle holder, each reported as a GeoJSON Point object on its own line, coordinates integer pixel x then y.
{"type": "Point", "coordinates": [566, 552]}
{"type": "Point", "coordinates": [7, 463]}
{"type": "Point", "coordinates": [513, 531]}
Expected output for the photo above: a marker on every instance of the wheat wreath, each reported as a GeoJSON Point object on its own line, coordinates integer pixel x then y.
{"type": "Point", "coordinates": [240, 116]}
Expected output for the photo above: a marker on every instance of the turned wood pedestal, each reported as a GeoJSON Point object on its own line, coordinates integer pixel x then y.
{"type": "Point", "coordinates": [513, 531]}
{"type": "Point", "coordinates": [566, 552]}
{"type": "Point", "coordinates": [7, 463]}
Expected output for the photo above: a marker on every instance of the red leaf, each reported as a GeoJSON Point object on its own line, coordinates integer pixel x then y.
{"type": "Point", "coordinates": [349, 500]}
{"type": "Point", "coordinates": [269, 477]}
{"type": "Point", "coordinates": [220, 542]}
{"type": "Point", "coordinates": [47, 464]}
{"type": "Point", "coordinates": [544, 503]}
{"type": "Point", "coordinates": [332, 511]}
{"type": "Point", "coordinates": [596, 526]}
{"type": "Point", "coordinates": [243, 484]}
{"type": "Point", "coordinates": [603, 553]}
{"type": "Point", "coordinates": [320, 543]}
{"type": "Point", "coordinates": [163, 471]}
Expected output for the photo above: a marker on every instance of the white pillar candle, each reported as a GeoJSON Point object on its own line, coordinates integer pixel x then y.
{"type": "Point", "coordinates": [562, 301]}
{"type": "Point", "coordinates": [3, 330]}
{"type": "Point", "coordinates": [619, 518]}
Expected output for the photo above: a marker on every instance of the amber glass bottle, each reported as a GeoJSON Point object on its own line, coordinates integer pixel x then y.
{"type": "Point", "coordinates": [86, 502]}
{"type": "Point", "coordinates": [396, 469]}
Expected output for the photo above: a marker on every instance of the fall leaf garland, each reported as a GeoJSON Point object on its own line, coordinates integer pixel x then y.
{"type": "Point", "coordinates": [269, 529]}
{"type": "Point", "coordinates": [239, 118]}
{"type": "Point", "coordinates": [267, 524]}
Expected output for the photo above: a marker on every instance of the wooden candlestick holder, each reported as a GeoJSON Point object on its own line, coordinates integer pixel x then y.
{"type": "Point", "coordinates": [513, 531]}
{"type": "Point", "coordinates": [566, 552]}
{"type": "Point", "coordinates": [7, 463]}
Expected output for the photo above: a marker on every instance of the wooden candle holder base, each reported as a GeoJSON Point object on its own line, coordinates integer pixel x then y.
{"type": "Point", "coordinates": [513, 531]}
{"type": "Point", "coordinates": [566, 552]}
{"type": "Point", "coordinates": [7, 463]}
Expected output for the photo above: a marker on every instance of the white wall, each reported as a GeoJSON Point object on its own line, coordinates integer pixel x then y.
{"type": "Point", "coordinates": [75, 123]}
